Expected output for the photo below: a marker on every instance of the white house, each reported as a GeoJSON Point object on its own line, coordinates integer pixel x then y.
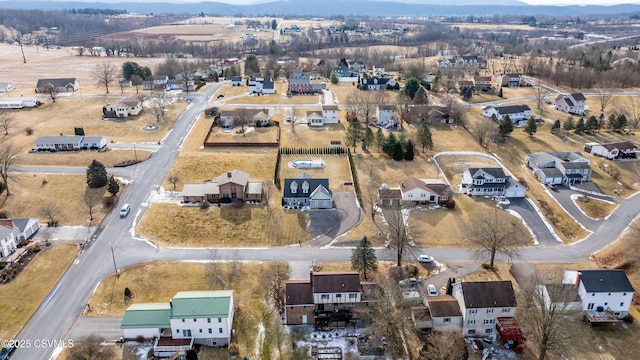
{"type": "Point", "coordinates": [330, 114]}
{"type": "Point", "coordinates": [482, 302]}
{"type": "Point", "coordinates": [490, 182]}
{"type": "Point", "coordinates": [568, 299]}
{"type": "Point", "coordinates": [445, 313]}
{"type": "Point", "coordinates": [260, 85]}
{"type": "Point", "coordinates": [346, 75]}
{"type": "Point", "coordinates": [8, 240]}
{"type": "Point", "coordinates": [571, 103]}
{"type": "Point", "coordinates": [5, 87]}
{"type": "Point", "coordinates": [129, 106]}
{"type": "Point", "coordinates": [617, 150]}
{"type": "Point", "coordinates": [228, 117]}
{"type": "Point", "coordinates": [424, 191]}
{"type": "Point", "coordinates": [602, 291]}
{"type": "Point", "coordinates": [517, 113]}
{"type": "Point", "coordinates": [190, 317]}
{"type": "Point", "coordinates": [314, 118]}
{"type": "Point", "coordinates": [71, 142]}
{"type": "Point", "coordinates": [19, 102]}
{"type": "Point", "coordinates": [387, 115]}
{"type": "Point", "coordinates": [236, 81]}
{"type": "Point", "coordinates": [559, 167]}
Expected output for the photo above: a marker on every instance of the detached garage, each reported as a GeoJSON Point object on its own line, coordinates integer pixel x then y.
{"type": "Point", "coordinates": [514, 189]}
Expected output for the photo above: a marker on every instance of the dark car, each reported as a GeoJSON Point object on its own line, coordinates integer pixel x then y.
{"type": "Point", "coordinates": [220, 96]}
{"type": "Point", "coordinates": [4, 353]}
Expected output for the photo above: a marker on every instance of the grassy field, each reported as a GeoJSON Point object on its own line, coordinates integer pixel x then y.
{"type": "Point", "coordinates": [252, 134]}
{"type": "Point", "coordinates": [20, 299]}
{"type": "Point", "coordinates": [30, 194]}
{"type": "Point", "coordinates": [336, 170]}
{"type": "Point", "coordinates": [142, 280]}
{"type": "Point", "coordinates": [309, 137]}
{"type": "Point", "coordinates": [227, 226]}
{"type": "Point", "coordinates": [595, 208]}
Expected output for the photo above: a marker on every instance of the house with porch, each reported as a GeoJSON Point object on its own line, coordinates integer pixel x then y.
{"type": "Point", "coordinates": [481, 82]}
{"type": "Point", "coordinates": [9, 239]}
{"type": "Point", "coordinates": [19, 102]}
{"type": "Point", "coordinates": [326, 298]}
{"type": "Point", "coordinates": [314, 118]}
{"type": "Point", "coordinates": [304, 191]}
{"type": "Point", "coordinates": [490, 182]}
{"type": "Point", "coordinates": [377, 83]}
{"type": "Point", "coordinates": [559, 167]}
{"type": "Point", "coordinates": [571, 103]}
{"type": "Point", "coordinates": [416, 191]}
{"type": "Point", "coordinates": [519, 114]}
{"type": "Point", "coordinates": [330, 114]}
{"type": "Point", "coordinates": [387, 116]}
{"type": "Point", "coordinates": [612, 151]}
{"type": "Point", "coordinates": [482, 303]}
{"type": "Point", "coordinates": [511, 80]}
{"type": "Point", "coordinates": [234, 184]}
{"type": "Point", "coordinates": [70, 143]}
{"type": "Point", "coordinates": [62, 85]}
{"type": "Point", "coordinates": [129, 106]}
{"type": "Point", "coordinates": [190, 317]}
{"type": "Point", "coordinates": [605, 293]}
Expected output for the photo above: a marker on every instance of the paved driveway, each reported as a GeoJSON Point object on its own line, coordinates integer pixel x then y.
{"type": "Point", "coordinates": [326, 225]}
{"type": "Point", "coordinates": [533, 220]}
{"type": "Point", "coordinates": [563, 197]}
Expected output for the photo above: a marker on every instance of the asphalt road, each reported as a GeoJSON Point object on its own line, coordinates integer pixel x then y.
{"type": "Point", "coordinates": [60, 309]}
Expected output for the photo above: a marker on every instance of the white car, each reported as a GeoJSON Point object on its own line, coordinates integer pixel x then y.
{"type": "Point", "coordinates": [426, 259]}
{"type": "Point", "coordinates": [431, 289]}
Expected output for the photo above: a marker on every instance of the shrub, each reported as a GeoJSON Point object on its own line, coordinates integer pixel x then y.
{"type": "Point", "coordinates": [234, 349]}
{"type": "Point", "coordinates": [486, 266]}
{"type": "Point", "coordinates": [140, 338]}
{"type": "Point", "coordinates": [28, 131]}
{"type": "Point", "coordinates": [225, 201]}
{"type": "Point", "coordinates": [204, 205]}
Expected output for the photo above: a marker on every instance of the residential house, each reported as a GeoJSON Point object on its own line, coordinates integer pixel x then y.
{"type": "Point", "coordinates": [387, 116]}
{"type": "Point", "coordinates": [571, 103]}
{"type": "Point", "coordinates": [625, 62]}
{"type": "Point", "coordinates": [377, 83]}
{"type": "Point", "coordinates": [569, 299]}
{"type": "Point", "coordinates": [611, 151]}
{"type": "Point", "coordinates": [357, 66]}
{"type": "Point", "coordinates": [236, 81]}
{"type": "Point", "coordinates": [70, 142]}
{"type": "Point", "coordinates": [482, 302]}
{"type": "Point", "coordinates": [518, 114]}
{"type": "Point", "coordinates": [418, 191]}
{"type": "Point", "coordinates": [602, 291]}
{"type": "Point", "coordinates": [190, 317]}
{"type": "Point", "coordinates": [326, 298]}
{"type": "Point", "coordinates": [346, 75]}
{"type": "Point", "coordinates": [234, 184]}
{"type": "Point", "coordinates": [511, 80]}
{"type": "Point", "coordinates": [481, 82]}
{"type": "Point", "coordinates": [490, 182]}
{"type": "Point", "coordinates": [175, 84]}
{"type": "Point", "coordinates": [330, 114]}
{"type": "Point", "coordinates": [445, 313]}
{"type": "Point", "coordinates": [27, 227]}
{"type": "Point", "coordinates": [463, 62]}
{"type": "Point", "coordinates": [9, 238]}
{"type": "Point", "coordinates": [261, 85]}
{"type": "Point", "coordinates": [160, 82]}
{"type": "Point", "coordinates": [559, 167]}
{"type": "Point", "coordinates": [129, 106]}
{"type": "Point", "coordinates": [389, 197]}
{"type": "Point", "coordinates": [5, 87]}
{"type": "Point", "coordinates": [230, 61]}
{"type": "Point", "coordinates": [147, 85]}
{"type": "Point", "coordinates": [62, 85]}
{"type": "Point", "coordinates": [314, 118]}
{"type": "Point", "coordinates": [306, 191]}
{"type": "Point", "coordinates": [19, 102]}
{"type": "Point", "coordinates": [125, 83]}
{"type": "Point", "coordinates": [228, 117]}
{"type": "Point", "coordinates": [430, 113]}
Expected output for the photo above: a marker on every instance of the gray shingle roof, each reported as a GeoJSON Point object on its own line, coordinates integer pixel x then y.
{"type": "Point", "coordinates": [512, 109]}
{"type": "Point", "coordinates": [495, 172]}
{"type": "Point", "coordinates": [488, 294]}
{"type": "Point", "coordinates": [608, 280]}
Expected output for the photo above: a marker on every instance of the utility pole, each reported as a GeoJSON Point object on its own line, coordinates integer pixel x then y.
{"type": "Point", "coordinates": [113, 256]}
{"type": "Point", "coordinates": [23, 57]}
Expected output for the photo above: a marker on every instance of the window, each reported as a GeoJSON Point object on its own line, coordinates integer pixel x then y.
{"type": "Point", "coordinates": [353, 296]}
{"type": "Point", "coordinates": [446, 320]}
{"type": "Point", "coordinates": [506, 310]}
{"type": "Point", "coordinates": [209, 320]}
{"type": "Point", "coordinates": [220, 330]}
{"type": "Point", "coordinates": [488, 321]}
{"type": "Point", "coordinates": [324, 297]}
{"type": "Point", "coordinates": [471, 331]}
{"type": "Point", "coordinates": [210, 331]}
{"type": "Point", "coordinates": [609, 294]}
{"type": "Point", "coordinates": [590, 306]}
{"type": "Point", "coordinates": [200, 331]}
{"type": "Point", "coordinates": [605, 304]}
{"type": "Point", "coordinates": [489, 311]}
{"type": "Point", "coordinates": [178, 331]}
{"type": "Point", "coordinates": [473, 311]}
{"type": "Point", "coordinates": [182, 320]}
{"type": "Point", "coordinates": [621, 304]}
{"type": "Point", "coordinates": [219, 320]}
{"type": "Point", "coordinates": [488, 331]}
{"type": "Point", "coordinates": [338, 296]}
{"type": "Point", "coordinates": [593, 294]}
{"type": "Point", "coordinates": [471, 322]}
{"type": "Point", "coordinates": [624, 294]}
{"type": "Point", "coordinates": [194, 320]}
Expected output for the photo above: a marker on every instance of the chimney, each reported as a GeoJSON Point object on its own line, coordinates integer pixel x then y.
{"type": "Point", "coordinates": [229, 174]}
{"type": "Point", "coordinates": [578, 278]}
{"type": "Point", "coordinates": [170, 303]}
{"type": "Point", "coordinates": [311, 277]}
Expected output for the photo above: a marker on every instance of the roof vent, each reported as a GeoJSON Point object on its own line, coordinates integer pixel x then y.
{"type": "Point", "coordinates": [229, 174]}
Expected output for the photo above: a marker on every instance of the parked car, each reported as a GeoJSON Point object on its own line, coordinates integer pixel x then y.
{"type": "Point", "coordinates": [125, 210]}
{"type": "Point", "coordinates": [220, 96]}
{"type": "Point", "coordinates": [431, 289]}
{"type": "Point", "coordinates": [4, 353]}
{"type": "Point", "coordinates": [410, 282]}
{"type": "Point", "coordinates": [425, 259]}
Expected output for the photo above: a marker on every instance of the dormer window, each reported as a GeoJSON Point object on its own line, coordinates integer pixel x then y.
{"type": "Point", "coordinates": [305, 187]}
{"type": "Point", "coordinates": [294, 187]}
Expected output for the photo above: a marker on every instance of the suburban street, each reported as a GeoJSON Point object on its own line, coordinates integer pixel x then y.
{"type": "Point", "coordinates": [64, 304]}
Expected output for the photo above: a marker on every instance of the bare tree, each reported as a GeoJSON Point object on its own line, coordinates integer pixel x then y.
{"type": "Point", "coordinates": [136, 81]}
{"type": "Point", "coordinates": [90, 200]}
{"type": "Point", "coordinates": [549, 313]}
{"type": "Point", "coordinates": [105, 74]}
{"type": "Point", "coordinates": [51, 90]}
{"type": "Point", "coordinates": [160, 103]}
{"type": "Point", "coordinates": [605, 96]}
{"type": "Point", "coordinates": [6, 121]}
{"type": "Point", "coordinates": [540, 94]}
{"type": "Point", "coordinates": [274, 287]}
{"type": "Point", "coordinates": [372, 194]}
{"type": "Point", "coordinates": [8, 156]}
{"type": "Point", "coordinates": [364, 103]}
{"type": "Point", "coordinates": [242, 119]}
{"type": "Point", "coordinates": [396, 227]}
{"type": "Point", "coordinates": [91, 348]}
{"type": "Point", "coordinates": [456, 110]}
{"type": "Point", "coordinates": [268, 190]}
{"type": "Point", "coordinates": [51, 211]}
{"type": "Point", "coordinates": [387, 317]}
{"type": "Point", "coordinates": [492, 233]}
{"type": "Point", "coordinates": [214, 271]}
{"type": "Point", "coordinates": [633, 112]}
{"type": "Point", "coordinates": [186, 75]}
{"type": "Point", "coordinates": [444, 346]}
{"type": "Point", "coordinates": [482, 129]}
{"type": "Point", "coordinates": [174, 178]}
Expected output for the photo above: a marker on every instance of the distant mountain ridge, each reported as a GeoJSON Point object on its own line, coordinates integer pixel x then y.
{"type": "Point", "coordinates": [326, 8]}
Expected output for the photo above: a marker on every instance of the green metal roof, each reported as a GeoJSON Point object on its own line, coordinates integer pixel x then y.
{"type": "Point", "coordinates": [150, 315]}
{"type": "Point", "coordinates": [194, 304]}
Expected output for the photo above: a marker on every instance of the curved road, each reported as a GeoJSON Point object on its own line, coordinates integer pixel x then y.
{"type": "Point", "coordinates": [57, 313]}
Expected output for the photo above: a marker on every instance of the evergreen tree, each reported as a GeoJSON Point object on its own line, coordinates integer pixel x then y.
{"type": "Point", "coordinates": [411, 88]}
{"type": "Point", "coordinates": [613, 121]}
{"type": "Point", "coordinates": [354, 133]}
{"type": "Point", "coordinates": [368, 137]}
{"type": "Point", "coordinates": [421, 96]}
{"type": "Point", "coordinates": [592, 123]}
{"type": "Point", "coordinates": [531, 127]}
{"type": "Point", "coordinates": [466, 92]}
{"type": "Point", "coordinates": [423, 135]}
{"type": "Point", "coordinates": [569, 124]}
{"type": "Point", "coordinates": [334, 78]}
{"type": "Point", "coordinates": [398, 154]}
{"type": "Point", "coordinates": [274, 24]}
{"type": "Point", "coordinates": [556, 125]}
{"type": "Point", "coordinates": [363, 258]}
{"type": "Point", "coordinates": [621, 122]}
{"type": "Point", "coordinates": [113, 186]}
{"type": "Point", "coordinates": [410, 152]}
{"type": "Point", "coordinates": [580, 126]}
{"type": "Point", "coordinates": [389, 144]}
{"type": "Point", "coordinates": [96, 175]}
{"type": "Point", "coordinates": [379, 139]}
{"type": "Point", "coordinates": [506, 126]}
{"type": "Point", "coordinates": [500, 94]}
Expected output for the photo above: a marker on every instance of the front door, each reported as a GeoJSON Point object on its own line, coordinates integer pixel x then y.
{"type": "Point", "coordinates": [186, 333]}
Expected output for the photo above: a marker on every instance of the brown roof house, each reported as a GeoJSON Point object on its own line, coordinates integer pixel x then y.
{"type": "Point", "coordinates": [229, 186]}
{"type": "Point", "coordinates": [251, 117]}
{"type": "Point", "coordinates": [327, 298]}
{"type": "Point", "coordinates": [129, 106]}
{"type": "Point", "coordinates": [441, 313]}
{"type": "Point", "coordinates": [482, 302]}
{"type": "Point", "coordinates": [417, 192]}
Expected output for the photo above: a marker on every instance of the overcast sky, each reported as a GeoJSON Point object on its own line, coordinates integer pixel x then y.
{"type": "Point", "coordinates": [532, 2]}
